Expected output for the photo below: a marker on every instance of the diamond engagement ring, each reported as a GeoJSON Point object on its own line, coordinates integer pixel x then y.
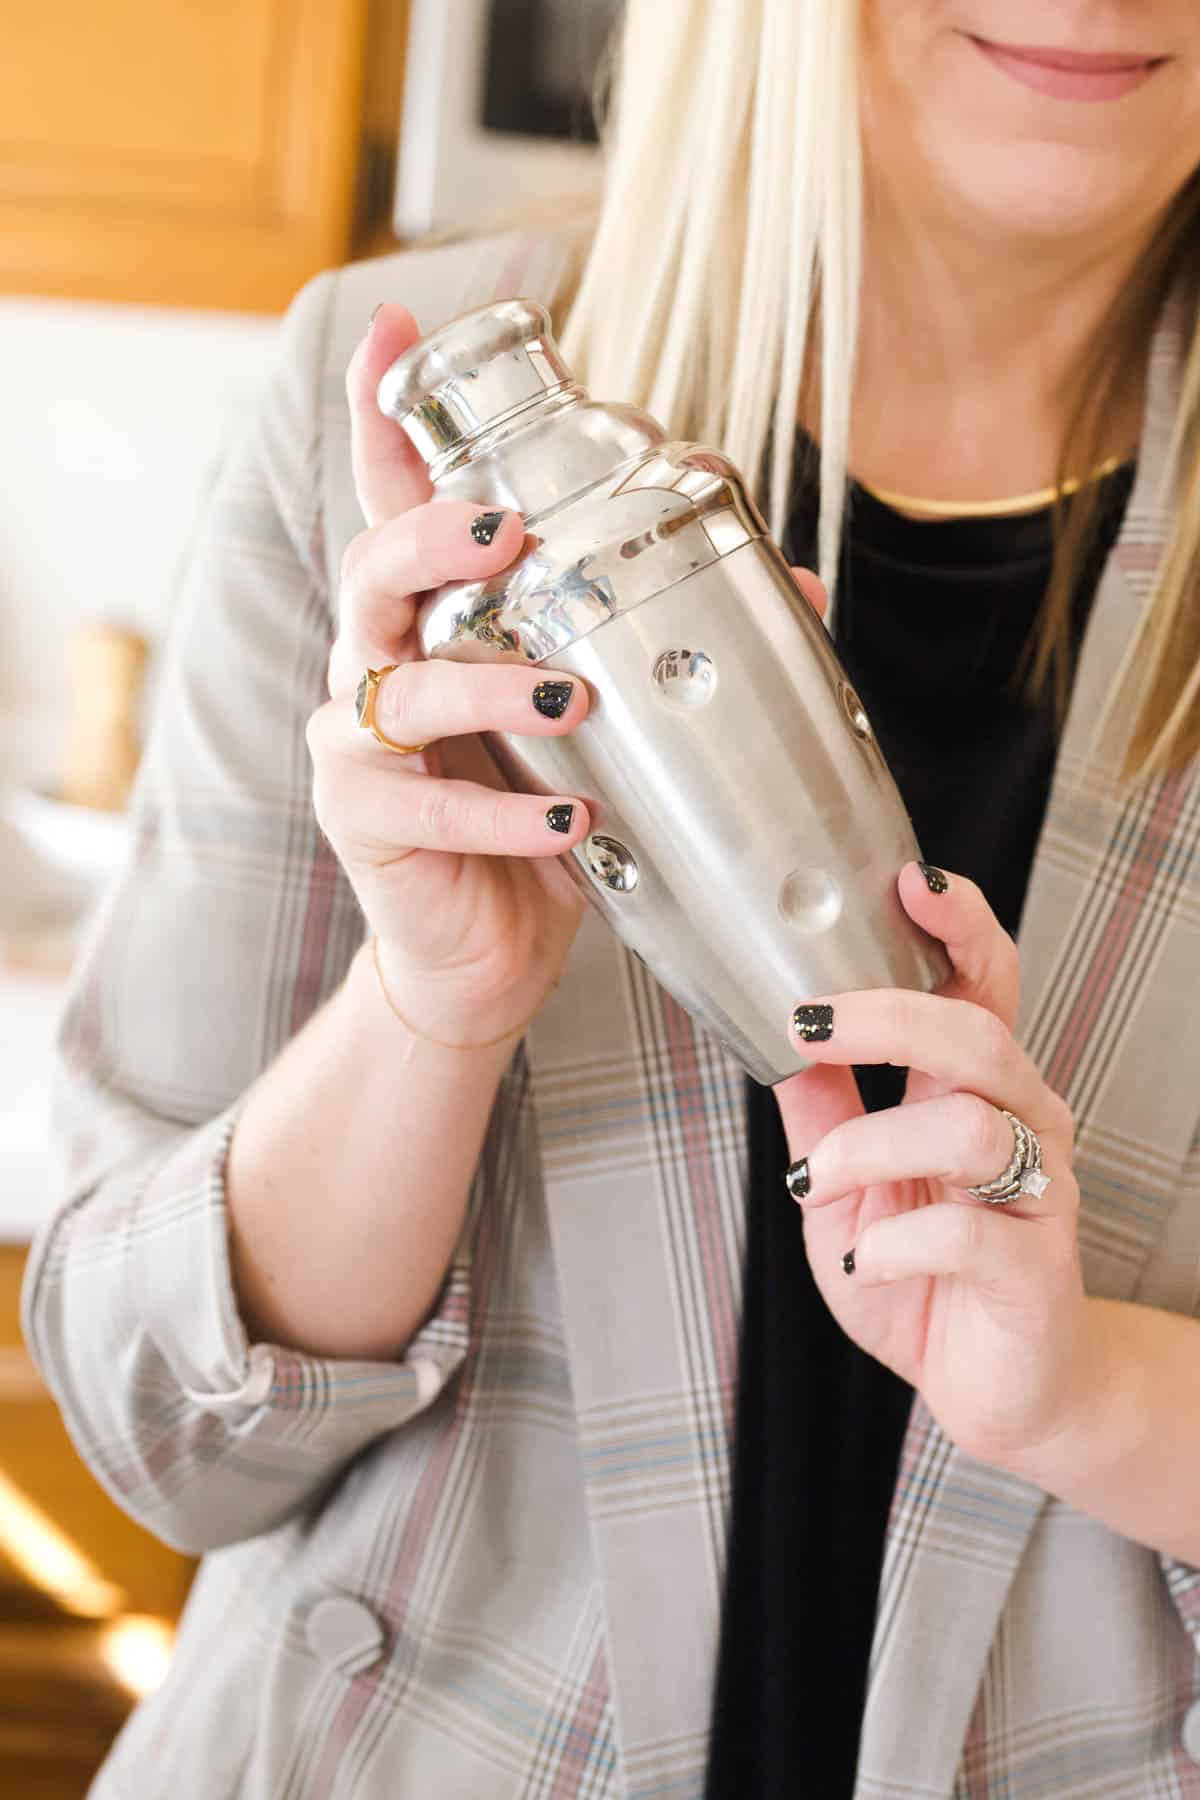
{"type": "Point", "coordinates": [1024, 1174]}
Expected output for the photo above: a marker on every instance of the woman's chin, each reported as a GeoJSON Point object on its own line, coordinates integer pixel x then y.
{"type": "Point", "coordinates": [1043, 191]}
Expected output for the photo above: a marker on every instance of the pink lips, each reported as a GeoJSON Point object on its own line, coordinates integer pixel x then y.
{"type": "Point", "coordinates": [1071, 74]}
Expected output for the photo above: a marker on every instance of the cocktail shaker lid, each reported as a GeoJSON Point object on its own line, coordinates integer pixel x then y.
{"type": "Point", "coordinates": [472, 372]}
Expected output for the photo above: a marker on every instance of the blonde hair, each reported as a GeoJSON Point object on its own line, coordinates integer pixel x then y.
{"type": "Point", "coordinates": [721, 272]}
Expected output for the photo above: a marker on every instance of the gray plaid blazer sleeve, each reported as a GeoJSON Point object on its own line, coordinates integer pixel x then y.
{"type": "Point", "coordinates": [231, 923]}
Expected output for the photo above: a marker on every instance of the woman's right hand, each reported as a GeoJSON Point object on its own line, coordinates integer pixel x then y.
{"type": "Point", "coordinates": [457, 876]}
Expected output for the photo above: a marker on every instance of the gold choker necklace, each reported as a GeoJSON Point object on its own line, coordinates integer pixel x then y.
{"type": "Point", "coordinates": [990, 509]}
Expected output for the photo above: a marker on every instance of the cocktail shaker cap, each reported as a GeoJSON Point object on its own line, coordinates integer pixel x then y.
{"type": "Point", "coordinates": [471, 373]}
{"type": "Point", "coordinates": [614, 513]}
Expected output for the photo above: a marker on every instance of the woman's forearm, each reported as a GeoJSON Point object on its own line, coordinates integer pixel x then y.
{"type": "Point", "coordinates": [1131, 1456]}
{"type": "Point", "coordinates": [349, 1172]}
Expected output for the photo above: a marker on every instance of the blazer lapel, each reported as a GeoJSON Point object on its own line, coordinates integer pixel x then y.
{"type": "Point", "coordinates": [1110, 944]}
{"type": "Point", "coordinates": [640, 1118]}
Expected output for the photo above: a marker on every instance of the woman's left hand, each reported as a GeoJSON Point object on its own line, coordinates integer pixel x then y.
{"type": "Point", "coordinates": [979, 1307]}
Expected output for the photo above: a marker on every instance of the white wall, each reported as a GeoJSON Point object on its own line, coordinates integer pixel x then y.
{"type": "Point", "coordinates": [112, 420]}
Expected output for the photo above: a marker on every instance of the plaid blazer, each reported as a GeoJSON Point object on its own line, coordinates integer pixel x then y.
{"type": "Point", "coordinates": [492, 1566]}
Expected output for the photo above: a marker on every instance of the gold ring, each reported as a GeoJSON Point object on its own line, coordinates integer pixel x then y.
{"type": "Point", "coordinates": [364, 710]}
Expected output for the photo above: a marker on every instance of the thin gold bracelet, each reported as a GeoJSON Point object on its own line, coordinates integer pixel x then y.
{"type": "Point", "coordinates": [440, 1042]}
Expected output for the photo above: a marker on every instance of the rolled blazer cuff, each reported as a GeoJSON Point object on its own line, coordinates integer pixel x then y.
{"type": "Point", "coordinates": [204, 1436]}
{"type": "Point", "coordinates": [183, 1287]}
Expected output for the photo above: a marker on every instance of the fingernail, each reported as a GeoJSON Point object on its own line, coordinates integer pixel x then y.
{"type": "Point", "coordinates": [374, 310]}
{"type": "Point", "coordinates": [848, 1263]}
{"type": "Point", "coordinates": [552, 698]}
{"type": "Point", "coordinates": [934, 878]}
{"type": "Point", "coordinates": [559, 818]}
{"type": "Point", "coordinates": [797, 1179]}
{"type": "Point", "coordinates": [813, 1023]}
{"type": "Point", "coordinates": [485, 526]}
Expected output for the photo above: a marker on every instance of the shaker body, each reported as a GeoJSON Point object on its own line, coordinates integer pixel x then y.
{"type": "Point", "coordinates": [746, 830]}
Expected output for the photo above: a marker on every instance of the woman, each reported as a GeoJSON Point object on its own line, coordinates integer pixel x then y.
{"type": "Point", "coordinates": [401, 1265]}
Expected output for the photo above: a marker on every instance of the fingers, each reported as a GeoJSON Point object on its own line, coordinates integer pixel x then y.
{"type": "Point", "coordinates": [954, 909]}
{"type": "Point", "coordinates": [437, 814]}
{"type": "Point", "coordinates": [383, 803]}
{"type": "Point", "coordinates": [964, 1241]}
{"type": "Point", "coordinates": [956, 1138]}
{"type": "Point", "coordinates": [388, 566]}
{"type": "Point", "coordinates": [955, 1041]}
{"type": "Point", "coordinates": [386, 817]}
{"type": "Point", "coordinates": [388, 473]}
{"type": "Point", "coordinates": [421, 701]}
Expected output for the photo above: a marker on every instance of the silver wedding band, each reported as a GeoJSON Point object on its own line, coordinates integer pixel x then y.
{"type": "Point", "coordinates": [1024, 1174]}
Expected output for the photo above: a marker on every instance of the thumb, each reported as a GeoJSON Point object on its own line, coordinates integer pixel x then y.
{"type": "Point", "coordinates": [388, 473]}
{"type": "Point", "coordinates": [813, 589]}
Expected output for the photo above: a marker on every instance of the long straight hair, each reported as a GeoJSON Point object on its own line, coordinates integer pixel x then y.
{"type": "Point", "coordinates": [719, 275]}
{"type": "Point", "coordinates": [731, 217]}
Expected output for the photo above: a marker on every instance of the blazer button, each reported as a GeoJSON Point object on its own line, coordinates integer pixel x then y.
{"type": "Point", "coordinates": [1190, 1731]}
{"type": "Point", "coordinates": [344, 1634]}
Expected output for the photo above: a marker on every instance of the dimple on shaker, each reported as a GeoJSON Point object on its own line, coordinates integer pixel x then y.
{"type": "Point", "coordinates": [746, 833]}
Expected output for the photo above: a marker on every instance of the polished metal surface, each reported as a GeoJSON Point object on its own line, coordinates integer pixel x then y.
{"type": "Point", "coordinates": [746, 831]}
{"type": "Point", "coordinates": [611, 862]}
{"type": "Point", "coordinates": [767, 834]}
{"type": "Point", "coordinates": [479, 369]}
{"type": "Point", "coordinates": [654, 521]}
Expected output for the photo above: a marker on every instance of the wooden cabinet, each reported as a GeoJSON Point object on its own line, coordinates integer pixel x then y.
{"type": "Point", "coordinates": [37, 1456]}
{"type": "Point", "coordinates": [211, 156]}
{"type": "Point", "coordinates": [66, 1592]}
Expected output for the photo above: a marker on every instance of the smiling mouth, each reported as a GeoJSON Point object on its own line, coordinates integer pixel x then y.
{"type": "Point", "coordinates": [1070, 74]}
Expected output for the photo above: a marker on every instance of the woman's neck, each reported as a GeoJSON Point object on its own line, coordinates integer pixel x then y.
{"type": "Point", "coordinates": [969, 355]}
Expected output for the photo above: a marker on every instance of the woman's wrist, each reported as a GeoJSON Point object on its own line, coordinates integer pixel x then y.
{"type": "Point", "coordinates": [432, 1016]}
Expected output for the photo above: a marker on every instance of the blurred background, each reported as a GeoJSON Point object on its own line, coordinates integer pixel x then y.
{"type": "Point", "coordinates": [170, 175]}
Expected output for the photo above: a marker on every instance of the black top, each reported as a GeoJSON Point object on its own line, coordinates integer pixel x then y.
{"type": "Point", "coordinates": [930, 620]}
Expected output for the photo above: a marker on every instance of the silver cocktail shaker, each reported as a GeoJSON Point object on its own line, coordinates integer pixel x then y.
{"type": "Point", "coordinates": [746, 831]}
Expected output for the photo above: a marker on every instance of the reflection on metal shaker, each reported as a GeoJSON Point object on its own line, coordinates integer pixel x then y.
{"type": "Point", "coordinates": [747, 833]}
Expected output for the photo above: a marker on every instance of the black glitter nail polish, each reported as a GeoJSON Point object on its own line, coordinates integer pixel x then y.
{"type": "Point", "coordinates": [848, 1263]}
{"type": "Point", "coordinates": [934, 879]}
{"type": "Point", "coordinates": [813, 1023]}
{"type": "Point", "coordinates": [797, 1179]}
{"type": "Point", "coordinates": [552, 698]}
{"type": "Point", "coordinates": [484, 527]}
{"type": "Point", "coordinates": [558, 818]}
